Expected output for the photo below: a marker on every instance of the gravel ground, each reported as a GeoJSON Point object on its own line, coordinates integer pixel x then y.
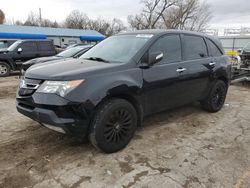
{"type": "Point", "coordinates": [181, 148]}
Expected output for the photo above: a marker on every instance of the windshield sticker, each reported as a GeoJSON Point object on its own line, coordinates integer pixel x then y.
{"type": "Point", "coordinates": [144, 35]}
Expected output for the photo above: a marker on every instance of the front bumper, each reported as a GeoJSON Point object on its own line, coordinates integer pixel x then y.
{"type": "Point", "coordinates": [55, 113]}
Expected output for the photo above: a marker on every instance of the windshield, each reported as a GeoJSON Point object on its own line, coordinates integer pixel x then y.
{"type": "Point", "coordinates": [69, 52]}
{"type": "Point", "coordinates": [14, 45]}
{"type": "Point", "coordinates": [119, 48]}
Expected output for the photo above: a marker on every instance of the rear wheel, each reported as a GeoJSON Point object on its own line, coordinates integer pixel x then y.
{"type": "Point", "coordinates": [113, 126]}
{"type": "Point", "coordinates": [4, 69]}
{"type": "Point", "coordinates": [216, 98]}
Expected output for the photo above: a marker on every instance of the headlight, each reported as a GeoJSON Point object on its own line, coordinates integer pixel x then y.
{"type": "Point", "coordinates": [61, 88]}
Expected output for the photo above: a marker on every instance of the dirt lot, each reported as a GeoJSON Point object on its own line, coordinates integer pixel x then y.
{"type": "Point", "coordinates": [182, 148]}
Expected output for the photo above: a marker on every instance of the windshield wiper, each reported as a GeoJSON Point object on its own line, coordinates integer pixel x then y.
{"type": "Point", "coordinates": [97, 59]}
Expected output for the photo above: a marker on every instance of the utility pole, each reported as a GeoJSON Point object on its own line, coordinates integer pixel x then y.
{"type": "Point", "coordinates": [40, 16]}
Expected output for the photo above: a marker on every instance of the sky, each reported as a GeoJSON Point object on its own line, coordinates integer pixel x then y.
{"type": "Point", "coordinates": [226, 13]}
{"type": "Point", "coordinates": [230, 13]}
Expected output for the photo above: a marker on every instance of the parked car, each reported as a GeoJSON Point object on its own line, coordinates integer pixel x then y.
{"type": "Point", "coordinates": [105, 94]}
{"type": "Point", "coordinates": [5, 43]}
{"type": "Point", "coordinates": [70, 53]}
{"type": "Point", "coordinates": [13, 57]}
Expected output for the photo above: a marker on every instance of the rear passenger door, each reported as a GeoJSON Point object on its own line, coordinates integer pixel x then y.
{"type": "Point", "coordinates": [214, 52]}
{"type": "Point", "coordinates": [199, 67]}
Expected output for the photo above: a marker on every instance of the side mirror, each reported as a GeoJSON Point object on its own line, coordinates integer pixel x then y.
{"type": "Point", "coordinates": [19, 50]}
{"type": "Point", "coordinates": [155, 58]}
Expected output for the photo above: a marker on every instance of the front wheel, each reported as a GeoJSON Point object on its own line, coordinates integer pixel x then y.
{"type": "Point", "coordinates": [4, 69]}
{"type": "Point", "coordinates": [216, 98]}
{"type": "Point", "coordinates": [113, 126]}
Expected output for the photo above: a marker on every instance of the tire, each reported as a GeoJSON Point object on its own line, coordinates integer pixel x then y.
{"type": "Point", "coordinates": [4, 69]}
{"type": "Point", "coordinates": [113, 125]}
{"type": "Point", "coordinates": [216, 98]}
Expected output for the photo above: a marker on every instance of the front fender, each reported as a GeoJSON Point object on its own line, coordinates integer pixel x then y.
{"type": "Point", "coordinates": [96, 88]}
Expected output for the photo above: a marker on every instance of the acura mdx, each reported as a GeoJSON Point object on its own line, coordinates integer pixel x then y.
{"type": "Point", "coordinates": [105, 94]}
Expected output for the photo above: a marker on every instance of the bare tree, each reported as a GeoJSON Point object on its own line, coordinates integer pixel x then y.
{"type": "Point", "coordinates": [118, 26]}
{"type": "Point", "coordinates": [187, 15]}
{"type": "Point", "coordinates": [136, 22]}
{"type": "Point", "coordinates": [32, 20]}
{"type": "Point", "coordinates": [151, 14]}
{"type": "Point", "coordinates": [115, 26]}
{"type": "Point", "coordinates": [48, 23]}
{"type": "Point", "coordinates": [77, 20]}
{"type": "Point", "coordinates": [18, 22]}
{"type": "Point", "coordinates": [99, 25]}
{"type": "Point", "coordinates": [2, 17]}
{"type": "Point", "coordinates": [201, 18]}
{"type": "Point", "coordinates": [105, 27]}
{"type": "Point", "coordinates": [173, 14]}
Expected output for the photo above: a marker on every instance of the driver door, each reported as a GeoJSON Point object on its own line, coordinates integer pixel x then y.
{"type": "Point", "coordinates": [161, 81]}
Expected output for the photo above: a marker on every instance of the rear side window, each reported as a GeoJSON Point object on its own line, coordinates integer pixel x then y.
{"type": "Point", "coordinates": [45, 46]}
{"type": "Point", "coordinates": [213, 49]}
{"type": "Point", "coordinates": [195, 47]}
{"type": "Point", "coordinates": [29, 46]}
{"type": "Point", "coordinates": [170, 45]}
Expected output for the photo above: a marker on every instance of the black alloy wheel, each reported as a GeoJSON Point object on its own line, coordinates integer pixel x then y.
{"type": "Point", "coordinates": [118, 126]}
{"type": "Point", "coordinates": [113, 126]}
{"type": "Point", "coordinates": [216, 98]}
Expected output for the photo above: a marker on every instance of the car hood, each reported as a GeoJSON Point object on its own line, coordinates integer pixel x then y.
{"type": "Point", "coordinates": [71, 69]}
{"type": "Point", "coordinates": [43, 59]}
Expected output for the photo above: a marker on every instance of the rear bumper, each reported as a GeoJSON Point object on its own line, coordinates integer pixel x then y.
{"type": "Point", "coordinates": [55, 111]}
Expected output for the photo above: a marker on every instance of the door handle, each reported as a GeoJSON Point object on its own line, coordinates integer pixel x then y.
{"type": "Point", "coordinates": [180, 70]}
{"type": "Point", "coordinates": [212, 64]}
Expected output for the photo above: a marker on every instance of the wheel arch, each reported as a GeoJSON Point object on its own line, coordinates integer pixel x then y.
{"type": "Point", "coordinates": [224, 79]}
{"type": "Point", "coordinates": [12, 67]}
{"type": "Point", "coordinates": [131, 99]}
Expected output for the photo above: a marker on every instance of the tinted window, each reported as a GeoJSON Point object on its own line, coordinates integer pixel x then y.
{"type": "Point", "coordinates": [14, 45]}
{"type": "Point", "coordinates": [45, 46]}
{"type": "Point", "coordinates": [29, 46]}
{"type": "Point", "coordinates": [195, 47]}
{"type": "Point", "coordinates": [170, 46]}
{"type": "Point", "coordinates": [213, 49]}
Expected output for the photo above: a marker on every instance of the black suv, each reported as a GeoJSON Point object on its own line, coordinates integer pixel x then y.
{"type": "Point", "coordinates": [21, 51]}
{"type": "Point", "coordinates": [105, 94]}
